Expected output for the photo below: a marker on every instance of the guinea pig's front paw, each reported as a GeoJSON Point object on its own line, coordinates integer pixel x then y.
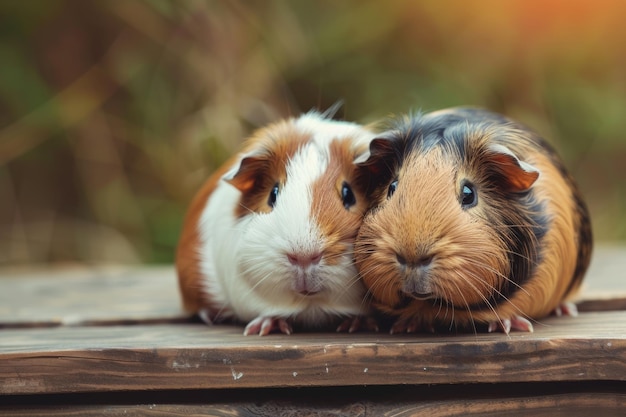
{"type": "Point", "coordinates": [514, 323]}
{"type": "Point", "coordinates": [263, 326]}
{"type": "Point", "coordinates": [566, 309]}
{"type": "Point", "coordinates": [411, 325]}
{"type": "Point", "coordinates": [355, 323]}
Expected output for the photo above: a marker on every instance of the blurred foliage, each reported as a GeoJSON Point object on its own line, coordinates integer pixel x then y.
{"type": "Point", "coordinates": [112, 113]}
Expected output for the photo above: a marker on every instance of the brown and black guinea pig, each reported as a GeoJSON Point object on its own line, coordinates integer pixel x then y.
{"type": "Point", "coordinates": [475, 224]}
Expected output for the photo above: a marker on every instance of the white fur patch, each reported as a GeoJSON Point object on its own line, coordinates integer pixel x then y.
{"type": "Point", "coordinates": [324, 131]}
{"type": "Point", "coordinates": [244, 261]}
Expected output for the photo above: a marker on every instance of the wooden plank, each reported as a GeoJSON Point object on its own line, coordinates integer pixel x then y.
{"type": "Point", "coordinates": [82, 296]}
{"type": "Point", "coordinates": [118, 295]}
{"type": "Point", "coordinates": [591, 347]}
{"type": "Point", "coordinates": [438, 401]}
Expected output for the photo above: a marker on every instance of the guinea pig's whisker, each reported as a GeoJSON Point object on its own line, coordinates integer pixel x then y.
{"type": "Point", "coordinates": [299, 302]}
{"type": "Point", "coordinates": [487, 284]}
{"type": "Point", "coordinates": [366, 300]}
{"type": "Point", "coordinates": [218, 317]}
{"type": "Point", "coordinates": [386, 285]}
{"type": "Point", "coordinates": [375, 266]}
{"type": "Point", "coordinates": [471, 316]}
{"type": "Point", "coordinates": [376, 285]}
{"type": "Point", "coordinates": [481, 280]}
{"type": "Point", "coordinates": [353, 264]}
{"type": "Point", "coordinates": [369, 270]}
{"type": "Point", "coordinates": [486, 300]}
{"type": "Point", "coordinates": [367, 297]}
{"type": "Point", "coordinates": [363, 252]}
{"type": "Point", "coordinates": [526, 258]}
{"type": "Point", "coordinates": [353, 281]}
{"type": "Point", "coordinates": [500, 294]}
{"type": "Point", "coordinates": [439, 301]}
{"type": "Point", "coordinates": [246, 208]}
{"type": "Point", "coordinates": [340, 291]}
{"type": "Point", "coordinates": [509, 226]}
{"type": "Point", "coordinates": [449, 306]}
{"type": "Point", "coordinates": [381, 284]}
{"type": "Point", "coordinates": [500, 274]}
{"type": "Point", "coordinates": [334, 256]}
{"type": "Point", "coordinates": [259, 282]}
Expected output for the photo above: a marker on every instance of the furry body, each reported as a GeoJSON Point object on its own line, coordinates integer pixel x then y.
{"type": "Point", "coordinates": [515, 254]}
{"type": "Point", "coordinates": [271, 233]}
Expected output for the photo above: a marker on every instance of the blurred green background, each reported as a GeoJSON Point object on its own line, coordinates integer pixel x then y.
{"type": "Point", "coordinates": [112, 113]}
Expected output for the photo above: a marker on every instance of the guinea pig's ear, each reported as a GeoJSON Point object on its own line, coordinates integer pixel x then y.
{"type": "Point", "coordinates": [376, 159]}
{"type": "Point", "coordinates": [517, 175]}
{"type": "Point", "coordinates": [249, 172]}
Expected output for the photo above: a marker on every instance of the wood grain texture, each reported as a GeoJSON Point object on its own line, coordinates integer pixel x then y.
{"type": "Point", "coordinates": [80, 296]}
{"type": "Point", "coordinates": [107, 331]}
{"type": "Point", "coordinates": [125, 295]}
{"type": "Point", "coordinates": [122, 295]}
{"type": "Point", "coordinates": [591, 347]}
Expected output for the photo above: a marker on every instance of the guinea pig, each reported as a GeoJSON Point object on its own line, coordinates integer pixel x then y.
{"type": "Point", "coordinates": [268, 240]}
{"type": "Point", "coordinates": [475, 224]}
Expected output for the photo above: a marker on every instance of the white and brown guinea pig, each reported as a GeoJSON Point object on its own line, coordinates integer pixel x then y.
{"type": "Point", "coordinates": [475, 224]}
{"type": "Point", "coordinates": [268, 240]}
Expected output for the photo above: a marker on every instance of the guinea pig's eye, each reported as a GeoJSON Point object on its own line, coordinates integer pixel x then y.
{"type": "Point", "coordinates": [271, 200]}
{"type": "Point", "coordinates": [469, 196]}
{"type": "Point", "coordinates": [347, 196]}
{"type": "Point", "coordinates": [392, 188]}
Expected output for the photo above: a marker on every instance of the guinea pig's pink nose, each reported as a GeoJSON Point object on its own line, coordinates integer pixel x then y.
{"type": "Point", "coordinates": [304, 260]}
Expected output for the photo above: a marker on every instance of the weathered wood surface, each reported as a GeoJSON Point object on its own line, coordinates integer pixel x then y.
{"type": "Point", "coordinates": [87, 296]}
{"type": "Point", "coordinates": [591, 347]}
{"type": "Point", "coordinates": [67, 335]}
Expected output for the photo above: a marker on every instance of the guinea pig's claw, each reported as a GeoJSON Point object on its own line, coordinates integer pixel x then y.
{"type": "Point", "coordinates": [265, 325]}
{"type": "Point", "coordinates": [410, 325]}
{"type": "Point", "coordinates": [502, 325]}
{"type": "Point", "coordinates": [514, 323]}
{"type": "Point", "coordinates": [403, 326]}
{"type": "Point", "coordinates": [205, 316]}
{"type": "Point", "coordinates": [566, 309]}
{"type": "Point", "coordinates": [353, 324]}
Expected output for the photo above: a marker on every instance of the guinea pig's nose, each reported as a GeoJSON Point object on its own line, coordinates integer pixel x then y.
{"type": "Point", "coordinates": [425, 260]}
{"type": "Point", "coordinates": [304, 260]}
{"type": "Point", "coordinates": [415, 262]}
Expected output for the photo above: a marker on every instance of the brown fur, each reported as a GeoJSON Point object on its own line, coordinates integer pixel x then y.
{"type": "Point", "coordinates": [471, 266]}
{"type": "Point", "coordinates": [187, 255]}
{"type": "Point", "coordinates": [340, 226]}
{"type": "Point", "coordinates": [259, 173]}
{"type": "Point", "coordinates": [270, 147]}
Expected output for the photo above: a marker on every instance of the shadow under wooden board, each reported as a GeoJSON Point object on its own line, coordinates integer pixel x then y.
{"type": "Point", "coordinates": [537, 400]}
